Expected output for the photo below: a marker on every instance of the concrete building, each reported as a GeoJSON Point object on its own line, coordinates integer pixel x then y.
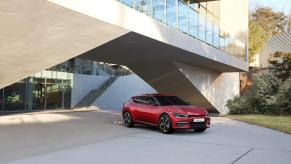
{"type": "Point", "coordinates": [192, 48]}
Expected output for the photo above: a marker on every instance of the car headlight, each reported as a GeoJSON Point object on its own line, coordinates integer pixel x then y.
{"type": "Point", "coordinates": [181, 115]}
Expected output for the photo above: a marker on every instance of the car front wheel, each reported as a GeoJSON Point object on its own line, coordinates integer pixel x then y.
{"type": "Point", "coordinates": [127, 119]}
{"type": "Point", "coordinates": [165, 124]}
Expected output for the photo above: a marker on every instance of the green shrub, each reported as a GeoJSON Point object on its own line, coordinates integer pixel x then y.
{"type": "Point", "coordinates": [263, 93]}
{"type": "Point", "coordinates": [284, 98]}
{"type": "Point", "coordinates": [239, 105]}
{"type": "Point", "coordinates": [260, 98]}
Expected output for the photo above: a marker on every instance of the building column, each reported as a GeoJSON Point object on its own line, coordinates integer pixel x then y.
{"type": "Point", "coordinates": [94, 66]}
{"type": "Point", "coordinates": [29, 93]}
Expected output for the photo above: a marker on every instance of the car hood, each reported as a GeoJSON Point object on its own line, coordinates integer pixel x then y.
{"type": "Point", "coordinates": [190, 110]}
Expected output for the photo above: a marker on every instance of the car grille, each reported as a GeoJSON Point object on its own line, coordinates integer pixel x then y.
{"type": "Point", "coordinates": [197, 124]}
{"type": "Point", "coordinates": [196, 116]}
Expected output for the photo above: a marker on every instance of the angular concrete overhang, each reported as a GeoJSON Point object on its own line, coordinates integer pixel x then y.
{"type": "Point", "coordinates": [148, 36]}
{"type": "Point", "coordinates": [37, 34]}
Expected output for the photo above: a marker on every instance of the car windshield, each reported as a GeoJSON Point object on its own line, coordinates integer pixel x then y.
{"type": "Point", "coordinates": [170, 100]}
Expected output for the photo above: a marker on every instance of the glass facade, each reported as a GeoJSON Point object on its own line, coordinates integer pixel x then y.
{"type": "Point", "coordinates": [51, 88]}
{"type": "Point", "coordinates": [159, 10]}
{"type": "Point", "coordinates": [199, 20]}
{"type": "Point", "coordinates": [36, 93]}
{"type": "Point", "coordinates": [14, 96]}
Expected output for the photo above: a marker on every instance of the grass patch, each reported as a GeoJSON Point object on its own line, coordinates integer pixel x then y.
{"type": "Point", "coordinates": [280, 123]}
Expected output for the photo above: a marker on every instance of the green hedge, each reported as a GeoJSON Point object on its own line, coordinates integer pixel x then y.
{"type": "Point", "coordinates": [267, 95]}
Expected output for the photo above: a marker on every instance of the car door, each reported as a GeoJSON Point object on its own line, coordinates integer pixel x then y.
{"type": "Point", "coordinates": [139, 107]}
{"type": "Point", "coordinates": [149, 111]}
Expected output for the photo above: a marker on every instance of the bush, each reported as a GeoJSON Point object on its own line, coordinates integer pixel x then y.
{"type": "Point", "coordinates": [262, 95]}
{"type": "Point", "coordinates": [260, 98]}
{"type": "Point", "coordinates": [284, 98]}
{"type": "Point", "coordinates": [239, 105]}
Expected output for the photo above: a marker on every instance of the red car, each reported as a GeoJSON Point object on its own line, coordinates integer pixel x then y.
{"type": "Point", "coordinates": [164, 111]}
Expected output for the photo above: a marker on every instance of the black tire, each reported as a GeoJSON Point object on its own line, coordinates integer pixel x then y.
{"type": "Point", "coordinates": [165, 124]}
{"type": "Point", "coordinates": [200, 130]}
{"type": "Point", "coordinates": [127, 119]}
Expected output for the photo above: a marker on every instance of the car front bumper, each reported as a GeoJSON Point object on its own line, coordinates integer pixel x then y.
{"type": "Point", "coordinates": [188, 123]}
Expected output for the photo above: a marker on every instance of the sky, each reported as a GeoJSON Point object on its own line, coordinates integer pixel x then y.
{"type": "Point", "coordinates": [277, 5]}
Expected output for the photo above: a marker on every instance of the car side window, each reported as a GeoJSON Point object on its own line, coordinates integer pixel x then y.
{"type": "Point", "coordinates": [146, 100]}
{"type": "Point", "coordinates": [149, 100]}
{"type": "Point", "coordinates": [139, 100]}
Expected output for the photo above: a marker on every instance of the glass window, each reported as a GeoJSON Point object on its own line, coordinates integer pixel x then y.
{"type": "Point", "coordinates": [231, 46]}
{"type": "Point", "coordinates": [236, 48]}
{"type": "Point", "coordinates": [144, 100]}
{"type": "Point", "coordinates": [194, 6]}
{"type": "Point", "coordinates": [193, 20]}
{"type": "Point", "coordinates": [1, 99]}
{"type": "Point", "coordinates": [128, 2]}
{"type": "Point", "coordinates": [53, 94]}
{"type": "Point", "coordinates": [170, 100]}
{"type": "Point", "coordinates": [143, 6]}
{"type": "Point", "coordinates": [209, 28]}
{"type": "Point", "coordinates": [14, 96]}
{"type": "Point", "coordinates": [201, 23]}
{"type": "Point", "coordinates": [171, 13]}
{"type": "Point", "coordinates": [227, 43]}
{"type": "Point", "coordinates": [203, 4]}
{"type": "Point", "coordinates": [159, 10]}
{"type": "Point", "coordinates": [183, 17]}
{"type": "Point", "coordinates": [216, 38]}
{"type": "Point", "coordinates": [222, 41]}
{"type": "Point", "coordinates": [67, 94]}
{"type": "Point", "coordinates": [38, 94]}
{"type": "Point", "coordinates": [83, 66]}
{"type": "Point", "coordinates": [139, 100]}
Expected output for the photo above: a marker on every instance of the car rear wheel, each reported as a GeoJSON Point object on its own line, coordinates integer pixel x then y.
{"type": "Point", "coordinates": [165, 124]}
{"type": "Point", "coordinates": [200, 129]}
{"type": "Point", "coordinates": [127, 119]}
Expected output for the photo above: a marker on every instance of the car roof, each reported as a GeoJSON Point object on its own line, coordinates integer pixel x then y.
{"type": "Point", "coordinates": [154, 94]}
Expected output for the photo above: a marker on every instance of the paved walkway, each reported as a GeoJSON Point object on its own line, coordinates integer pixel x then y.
{"type": "Point", "coordinates": [92, 137]}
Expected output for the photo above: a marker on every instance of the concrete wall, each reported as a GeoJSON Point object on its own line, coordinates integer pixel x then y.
{"type": "Point", "coordinates": [83, 84]}
{"type": "Point", "coordinates": [120, 91]}
{"type": "Point", "coordinates": [216, 87]}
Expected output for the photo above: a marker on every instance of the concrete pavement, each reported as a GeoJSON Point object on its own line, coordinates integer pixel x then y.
{"type": "Point", "coordinates": [92, 137]}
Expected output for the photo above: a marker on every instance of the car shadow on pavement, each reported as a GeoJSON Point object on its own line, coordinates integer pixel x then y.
{"type": "Point", "coordinates": [176, 131]}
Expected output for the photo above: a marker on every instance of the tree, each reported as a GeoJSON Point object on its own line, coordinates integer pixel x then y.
{"type": "Point", "coordinates": [257, 39]}
{"type": "Point", "coordinates": [281, 65]}
{"type": "Point", "coordinates": [270, 21]}
{"type": "Point", "coordinates": [263, 24]}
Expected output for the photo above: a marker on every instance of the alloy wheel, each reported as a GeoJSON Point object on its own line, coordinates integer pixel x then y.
{"type": "Point", "coordinates": [127, 119]}
{"type": "Point", "coordinates": [165, 123]}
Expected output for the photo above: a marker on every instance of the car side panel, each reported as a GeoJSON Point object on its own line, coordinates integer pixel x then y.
{"type": "Point", "coordinates": [150, 114]}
